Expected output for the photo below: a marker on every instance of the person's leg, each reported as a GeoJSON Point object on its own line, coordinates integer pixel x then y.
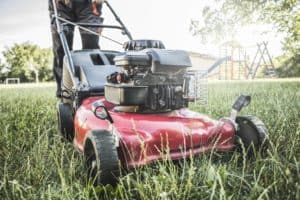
{"type": "Point", "coordinates": [84, 13]}
{"type": "Point", "coordinates": [58, 51]}
{"type": "Point", "coordinates": [89, 41]}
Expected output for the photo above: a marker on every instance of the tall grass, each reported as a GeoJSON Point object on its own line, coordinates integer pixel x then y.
{"type": "Point", "coordinates": [36, 164]}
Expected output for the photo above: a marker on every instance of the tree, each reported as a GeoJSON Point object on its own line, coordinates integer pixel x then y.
{"type": "Point", "coordinates": [28, 62]}
{"type": "Point", "coordinates": [44, 64]}
{"type": "Point", "coordinates": [2, 73]}
{"type": "Point", "coordinates": [1, 67]}
{"type": "Point", "coordinates": [222, 20]}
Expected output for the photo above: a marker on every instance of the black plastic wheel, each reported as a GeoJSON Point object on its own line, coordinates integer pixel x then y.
{"type": "Point", "coordinates": [252, 132]}
{"type": "Point", "coordinates": [101, 158]}
{"type": "Point", "coordinates": [65, 121]}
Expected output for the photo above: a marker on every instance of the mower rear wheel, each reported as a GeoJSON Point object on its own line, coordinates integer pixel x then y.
{"type": "Point", "coordinates": [65, 121]}
{"type": "Point", "coordinates": [101, 158]}
{"type": "Point", "coordinates": [252, 133]}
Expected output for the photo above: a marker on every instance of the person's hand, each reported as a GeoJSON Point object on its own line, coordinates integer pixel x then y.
{"type": "Point", "coordinates": [98, 1]}
{"type": "Point", "coordinates": [95, 7]}
{"type": "Point", "coordinates": [65, 2]}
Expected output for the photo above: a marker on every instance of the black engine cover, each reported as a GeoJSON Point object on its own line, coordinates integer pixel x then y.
{"type": "Point", "coordinates": [152, 79]}
{"type": "Point", "coordinates": [160, 61]}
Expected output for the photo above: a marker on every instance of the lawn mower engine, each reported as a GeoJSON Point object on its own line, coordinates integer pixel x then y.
{"type": "Point", "coordinates": [151, 80]}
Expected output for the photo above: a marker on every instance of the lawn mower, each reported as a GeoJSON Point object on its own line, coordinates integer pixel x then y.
{"type": "Point", "coordinates": [127, 109]}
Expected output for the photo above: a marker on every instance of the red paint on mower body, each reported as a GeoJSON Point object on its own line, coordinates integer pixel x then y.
{"type": "Point", "coordinates": [145, 138]}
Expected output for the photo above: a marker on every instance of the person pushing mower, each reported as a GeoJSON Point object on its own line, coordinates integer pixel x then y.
{"type": "Point", "coordinates": [78, 11]}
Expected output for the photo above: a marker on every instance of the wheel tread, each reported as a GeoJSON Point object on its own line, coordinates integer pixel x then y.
{"type": "Point", "coordinates": [108, 156]}
{"type": "Point", "coordinates": [259, 126]}
{"type": "Point", "coordinates": [65, 121]}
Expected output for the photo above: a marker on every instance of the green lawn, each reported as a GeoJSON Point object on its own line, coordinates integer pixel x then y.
{"type": "Point", "coordinates": [36, 164]}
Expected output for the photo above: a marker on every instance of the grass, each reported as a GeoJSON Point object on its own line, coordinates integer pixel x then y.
{"type": "Point", "coordinates": [36, 164]}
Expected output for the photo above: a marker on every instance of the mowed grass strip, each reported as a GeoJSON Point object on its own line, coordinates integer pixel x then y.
{"type": "Point", "coordinates": [36, 164]}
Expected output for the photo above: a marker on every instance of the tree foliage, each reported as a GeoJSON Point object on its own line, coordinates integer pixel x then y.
{"type": "Point", "coordinates": [26, 60]}
{"type": "Point", "coordinates": [225, 17]}
{"type": "Point", "coordinates": [2, 71]}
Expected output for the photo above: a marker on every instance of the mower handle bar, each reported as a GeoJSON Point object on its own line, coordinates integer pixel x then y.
{"type": "Point", "coordinates": [118, 19]}
{"type": "Point", "coordinates": [94, 25]}
{"type": "Point", "coordinates": [83, 26]}
{"type": "Point", "coordinates": [64, 42]}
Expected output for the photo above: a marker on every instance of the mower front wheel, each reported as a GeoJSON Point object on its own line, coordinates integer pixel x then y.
{"type": "Point", "coordinates": [65, 121]}
{"type": "Point", "coordinates": [252, 134]}
{"type": "Point", "coordinates": [101, 158]}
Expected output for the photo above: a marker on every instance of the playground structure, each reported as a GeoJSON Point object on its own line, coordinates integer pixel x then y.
{"type": "Point", "coordinates": [260, 56]}
{"type": "Point", "coordinates": [234, 63]}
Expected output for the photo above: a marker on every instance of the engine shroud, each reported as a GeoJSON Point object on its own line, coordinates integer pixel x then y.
{"type": "Point", "coordinates": [153, 79]}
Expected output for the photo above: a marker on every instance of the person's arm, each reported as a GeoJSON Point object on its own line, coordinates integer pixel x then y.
{"type": "Point", "coordinates": [97, 6]}
{"type": "Point", "coordinates": [67, 3]}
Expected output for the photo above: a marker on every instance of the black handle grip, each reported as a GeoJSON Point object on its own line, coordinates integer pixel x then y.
{"type": "Point", "coordinates": [242, 101]}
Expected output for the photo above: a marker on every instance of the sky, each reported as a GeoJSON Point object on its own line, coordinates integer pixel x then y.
{"type": "Point", "coordinates": [167, 20]}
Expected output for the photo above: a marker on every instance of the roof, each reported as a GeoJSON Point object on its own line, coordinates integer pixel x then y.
{"type": "Point", "coordinates": [203, 56]}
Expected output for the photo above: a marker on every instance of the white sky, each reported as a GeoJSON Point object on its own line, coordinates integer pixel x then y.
{"type": "Point", "coordinates": [167, 20]}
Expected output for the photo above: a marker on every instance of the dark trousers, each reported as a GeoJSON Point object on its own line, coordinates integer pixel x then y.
{"type": "Point", "coordinates": [80, 12]}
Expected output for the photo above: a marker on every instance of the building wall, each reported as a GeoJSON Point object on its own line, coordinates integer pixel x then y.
{"type": "Point", "coordinates": [202, 61]}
